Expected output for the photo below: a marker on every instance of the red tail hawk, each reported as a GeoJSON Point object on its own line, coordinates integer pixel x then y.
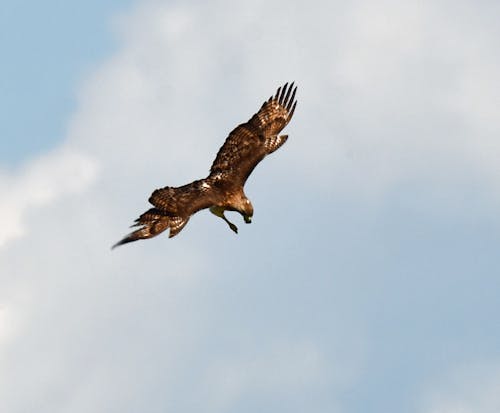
{"type": "Point", "coordinates": [222, 190]}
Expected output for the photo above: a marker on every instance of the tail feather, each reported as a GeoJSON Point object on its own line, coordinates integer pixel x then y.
{"type": "Point", "coordinates": [152, 223]}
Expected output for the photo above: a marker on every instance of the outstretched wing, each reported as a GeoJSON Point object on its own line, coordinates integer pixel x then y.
{"type": "Point", "coordinates": [151, 223]}
{"type": "Point", "coordinates": [172, 209]}
{"type": "Point", "coordinates": [250, 142]}
{"type": "Point", "coordinates": [184, 200]}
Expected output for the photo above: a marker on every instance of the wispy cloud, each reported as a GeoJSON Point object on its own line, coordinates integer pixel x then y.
{"type": "Point", "coordinates": [39, 183]}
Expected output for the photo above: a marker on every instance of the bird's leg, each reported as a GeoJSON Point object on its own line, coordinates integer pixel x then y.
{"type": "Point", "coordinates": [219, 211]}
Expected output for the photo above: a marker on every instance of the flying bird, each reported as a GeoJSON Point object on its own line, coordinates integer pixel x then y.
{"type": "Point", "coordinates": [222, 189]}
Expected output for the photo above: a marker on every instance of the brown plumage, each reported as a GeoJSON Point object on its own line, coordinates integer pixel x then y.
{"type": "Point", "coordinates": [222, 190]}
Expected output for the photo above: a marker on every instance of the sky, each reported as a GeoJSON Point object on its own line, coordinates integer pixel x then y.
{"type": "Point", "coordinates": [369, 277]}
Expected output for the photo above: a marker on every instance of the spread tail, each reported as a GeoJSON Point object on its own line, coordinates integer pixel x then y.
{"type": "Point", "coordinates": [152, 223]}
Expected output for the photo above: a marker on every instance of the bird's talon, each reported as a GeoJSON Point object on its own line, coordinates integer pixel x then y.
{"type": "Point", "coordinates": [234, 228]}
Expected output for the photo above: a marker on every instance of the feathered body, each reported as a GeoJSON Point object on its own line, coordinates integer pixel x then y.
{"type": "Point", "coordinates": [222, 190]}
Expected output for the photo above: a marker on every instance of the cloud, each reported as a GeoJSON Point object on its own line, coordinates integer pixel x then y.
{"type": "Point", "coordinates": [411, 83]}
{"type": "Point", "coordinates": [388, 95]}
{"type": "Point", "coordinates": [391, 99]}
{"type": "Point", "coordinates": [39, 183]}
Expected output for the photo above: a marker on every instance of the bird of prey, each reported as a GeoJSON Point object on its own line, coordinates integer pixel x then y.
{"type": "Point", "coordinates": [222, 189]}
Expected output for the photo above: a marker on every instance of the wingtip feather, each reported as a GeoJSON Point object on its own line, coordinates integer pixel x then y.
{"type": "Point", "coordinates": [283, 91]}
{"type": "Point", "coordinates": [292, 110]}
{"type": "Point", "coordinates": [285, 95]}
{"type": "Point", "coordinates": [125, 240]}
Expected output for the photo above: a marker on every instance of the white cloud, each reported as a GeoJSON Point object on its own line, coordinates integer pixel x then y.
{"type": "Point", "coordinates": [39, 183]}
{"type": "Point", "coordinates": [408, 76]}
{"type": "Point", "coordinates": [388, 93]}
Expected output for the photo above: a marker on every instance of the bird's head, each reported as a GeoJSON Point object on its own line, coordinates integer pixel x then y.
{"type": "Point", "coordinates": [246, 210]}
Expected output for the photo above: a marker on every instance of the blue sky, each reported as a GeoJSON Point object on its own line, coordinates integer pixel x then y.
{"type": "Point", "coordinates": [47, 48]}
{"type": "Point", "coordinates": [369, 277]}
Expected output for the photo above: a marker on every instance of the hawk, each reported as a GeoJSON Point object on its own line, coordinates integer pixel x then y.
{"type": "Point", "coordinates": [222, 189]}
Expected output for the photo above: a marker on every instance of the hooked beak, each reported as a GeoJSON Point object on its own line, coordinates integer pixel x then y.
{"type": "Point", "coordinates": [247, 219]}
